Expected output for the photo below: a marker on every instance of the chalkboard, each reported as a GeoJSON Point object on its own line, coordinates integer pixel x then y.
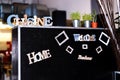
{"type": "Point", "coordinates": [61, 53]}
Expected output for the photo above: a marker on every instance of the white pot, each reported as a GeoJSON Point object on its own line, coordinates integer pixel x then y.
{"type": "Point", "coordinates": [76, 23]}
{"type": "Point", "coordinates": [87, 24]}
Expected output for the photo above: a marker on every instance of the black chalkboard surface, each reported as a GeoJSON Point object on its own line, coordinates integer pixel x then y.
{"type": "Point", "coordinates": [61, 53]}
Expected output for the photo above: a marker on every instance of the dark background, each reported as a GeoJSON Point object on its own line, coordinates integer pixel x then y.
{"type": "Point", "coordinates": [62, 65]}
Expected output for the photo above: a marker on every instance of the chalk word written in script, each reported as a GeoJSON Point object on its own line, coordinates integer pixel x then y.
{"type": "Point", "coordinates": [39, 56]}
{"type": "Point", "coordinates": [80, 57]}
{"type": "Point", "coordinates": [14, 20]}
{"type": "Point", "coordinates": [84, 37]}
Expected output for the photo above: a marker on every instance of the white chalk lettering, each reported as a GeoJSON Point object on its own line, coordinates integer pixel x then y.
{"type": "Point", "coordinates": [36, 57]}
{"type": "Point", "coordinates": [80, 57]}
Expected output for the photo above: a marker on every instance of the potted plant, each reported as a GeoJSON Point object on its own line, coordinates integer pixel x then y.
{"type": "Point", "coordinates": [87, 18]}
{"type": "Point", "coordinates": [75, 16]}
{"type": "Point", "coordinates": [94, 19]}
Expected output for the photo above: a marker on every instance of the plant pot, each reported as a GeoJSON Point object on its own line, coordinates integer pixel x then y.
{"type": "Point", "coordinates": [94, 24]}
{"type": "Point", "coordinates": [76, 23]}
{"type": "Point", "coordinates": [87, 24]}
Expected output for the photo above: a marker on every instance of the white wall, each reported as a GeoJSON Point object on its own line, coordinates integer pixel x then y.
{"type": "Point", "coordinates": [83, 6]}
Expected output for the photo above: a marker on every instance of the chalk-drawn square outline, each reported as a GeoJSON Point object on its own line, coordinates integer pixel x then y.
{"type": "Point", "coordinates": [84, 46]}
{"type": "Point", "coordinates": [69, 51]}
{"type": "Point", "coordinates": [99, 49]}
{"type": "Point", "coordinates": [100, 38]}
{"type": "Point", "coordinates": [62, 42]}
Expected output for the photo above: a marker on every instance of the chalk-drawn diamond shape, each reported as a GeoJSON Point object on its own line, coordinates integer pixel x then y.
{"type": "Point", "coordinates": [61, 38]}
{"type": "Point", "coordinates": [69, 49]}
{"type": "Point", "coordinates": [99, 49]}
{"type": "Point", "coordinates": [104, 38]}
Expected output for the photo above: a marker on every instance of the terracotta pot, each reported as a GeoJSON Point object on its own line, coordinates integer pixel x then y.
{"type": "Point", "coordinates": [94, 24]}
